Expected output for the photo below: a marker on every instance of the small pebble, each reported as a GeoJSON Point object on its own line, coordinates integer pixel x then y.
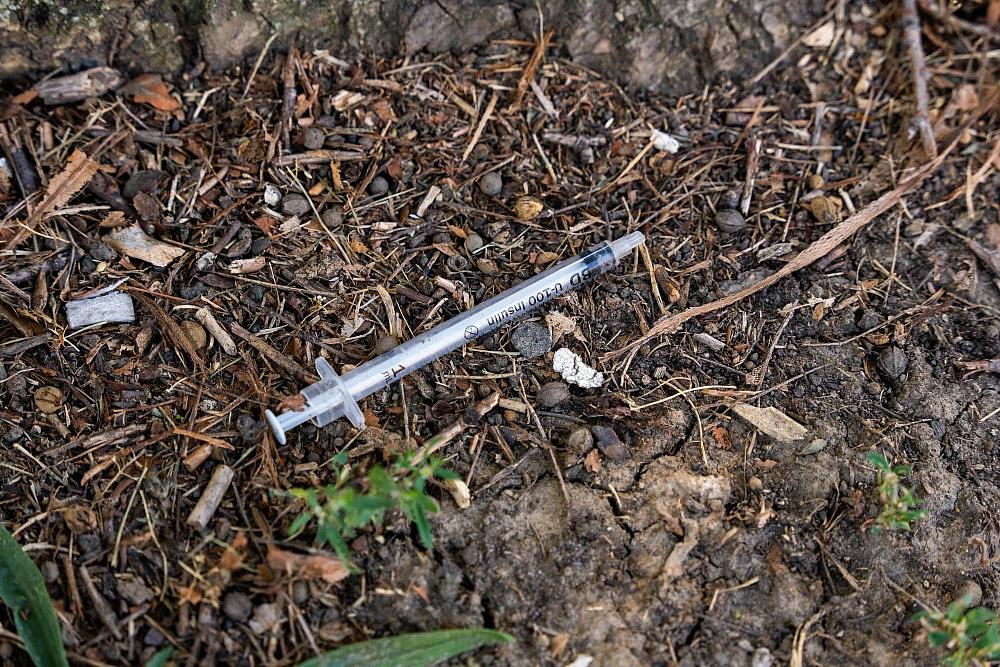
{"type": "Point", "coordinates": [609, 443]}
{"type": "Point", "coordinates": [730, 221]}
{"type": "Point", "coordinates": [332, 217]}
{"type": "Point", "coordinates": [491, 183]}
{"type": "Point", "coordinates": [531, 339]}
{"type": "Point", "coordinates": [237, 606]}
{"type": "Point", "coordinates": [386, 343]}
{"type": "Point", "coordinates": [473, 242]}
{"type": "Point", "coordinates": [970, 590]}
{"type": "Point", "coordinates": [729, 199]}
{"type": "Point", "coordinates": [457, 263]}
{"type": "Point", "coordinates": [480, 152]}
{"type": "Point", "coordinates": [892, 361]}
{"type": "Point", "coordinates": [247, 426]}
{"type": "Point", "coordinates": [580, 440]}
{"type": "Point", "coordinates": [143, 180]}
{"type": "Point", "coordinates": [295, 205]}
{"type": "Point", "coordinates": [378, 187]}
{"type": "Point", "coordinates": [300, 592]}
{"type": "Point", "coordinates": [755, 483]}
{"type": "Point", "coordinates": [313, 138]}
{"type": "Point", "coordinates": [50, 571]}
{"type": "Point", "coordinates": [272, 195]}
{"type": "Point", "coordinates": [552, 394]}
{"type": "Point", "coordinates": [90, 545]}
{"type": "Point", "coordinates": [101, 251]}
{"type": "Point", "coordinates": [153, 638]}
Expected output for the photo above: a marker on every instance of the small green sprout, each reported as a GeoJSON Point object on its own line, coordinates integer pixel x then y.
{"type": "Point", "coordinates": [898, 502]}
{"type": "Point", "coordinates": [351, 502]}
{"type": "Point", "coordinates": [970, 636]}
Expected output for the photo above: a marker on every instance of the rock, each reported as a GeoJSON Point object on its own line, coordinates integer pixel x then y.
{"type": "Point", "coordinates": [133, 590]}
{"type": "Point", "coordinates": [90, 545]}
{"type": "Point", "coordinates": [50, 571]}
{"type": "Point", "coordinates": [332, 218]}
{"type": "Point", "coordinates": [457, 263]}
{"type": "Point", "coordinates": [229, 34]}
{"type": "Point", "coordinates": [970, 592]}
{"type": "Point", "coordinates": [237, 606]}
{"type": "Point", "coordinates": [295, 205]}
{"type": "Point", "coordinates": [300, 592]}
{"type": "Point", "coordinates": [491, 183]}
{"type": "Point", "coordinates": [144, 180]}
{"type": "Point", "coordinates": [892, 362]}
{"type": "Point", "coordinates": [272, 195]}
{"type": "Point", "coordinates": [248, 427]}
{"type": "Point", "coordinates": [531, 339]}
{"type": "Point", "coordinates": [580, 440]}
{"type": "Point", "coordinates": [455, 25]}
{"type": "Point", "coordinates": [153, 637]}
{"type": "Point", "coordinates": [730, 221]}
{"type": "Point", "coordinates": [473, 242]}
{"type": "Point", "coordinates": [101, 251]}
{"type": "Point", "coordinates": [660, 44]}
{"type": "Point", "coordinates": [609, 443]}
{"type": "Point", "coordinates": [266, 618]}
{"type": "Point", "coordinates": [313, 138]}
{"type": "Point", "coordinates": [762, 658]}
{"type": "Point", "coordinates": [552, 394]}
{"type": "Point", "coordinates": [378, 187]}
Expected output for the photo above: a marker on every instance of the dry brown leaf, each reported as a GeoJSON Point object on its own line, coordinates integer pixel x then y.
{"type": "Point", "coordinates": [150, 89]}
{"type": "Point", "coordinates": [592, 461]}
{"type": "Point", "coordinates": [134, 242]}
{"type": "Point", "coordinates": [63, 186]}
{"type": "Point", "coordinates": [113, 220]}
{"type": "Point", "coordinates": [560, 325]}
{"type": "Point", "coordinates": [295, 403]}
{"type": "Point", "coordinates": [316, 566]}
{"type": "Point", "coordinates": [721, 437]}
{"type": "Point", "coordinates": [772, 422]}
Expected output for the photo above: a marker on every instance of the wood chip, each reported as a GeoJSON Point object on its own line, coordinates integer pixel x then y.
{"type": "Point", "coordinates": [134, 242]}
{"type": "Point", "coordinates": [104, 309]}
{"type": "Point", "coordinates": [93, 82]}
{"type": "Point", "coordinates": [211, 497]}
{"type": "Point", "coordinates": [772, 422]}
{"type": "Point", "coordinates": [216, 331]}
{"type": "Point", "coordinates": [321, 566]}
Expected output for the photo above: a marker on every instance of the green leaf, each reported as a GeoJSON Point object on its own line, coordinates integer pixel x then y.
{"type": "Point", "coordinates": [417, 649]}
{"type": "Point", "coordinates": [299, 524]}
{"type": "Point", "coordinates": [938, 638]}
{"type": "Point", "coordinates": [879, 461]}
{"type": "Point", "coordinates": [23, 589]}
{"type": "Point", "coordinates": [161, 657]}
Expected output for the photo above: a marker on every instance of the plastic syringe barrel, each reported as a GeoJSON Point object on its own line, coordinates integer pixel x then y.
{"type": "Point", "coordinates": [507, 306]}
{"type": "Point", "coordinates": [335, 396]}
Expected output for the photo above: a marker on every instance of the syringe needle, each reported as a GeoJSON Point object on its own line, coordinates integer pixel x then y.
{"type": "Point", "coordinates": [334, 396]}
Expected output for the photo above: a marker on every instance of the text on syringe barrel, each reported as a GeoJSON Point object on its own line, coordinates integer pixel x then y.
{"type": "Point", "coordinates": [479, 321]}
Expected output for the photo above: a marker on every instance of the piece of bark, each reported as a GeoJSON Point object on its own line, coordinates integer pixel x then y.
{"type": "Point", "coordinates": [211, 497]}
{"type": "Point", "coordinates": [112, 307]}
{"type": "Point", "coordinates": [80, 86]}
{"type": "Point", "coordinates": [134, 242]}
{"type": "Point", "coordinates": [216, 330]}
{"type": "Point", "coordinates": [101, 605]}
{"type": "Point", "coordinates": [23, 345]}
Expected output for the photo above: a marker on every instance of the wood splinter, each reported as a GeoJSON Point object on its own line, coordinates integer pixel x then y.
{"type": "Point", "coordinates": [211, 497]}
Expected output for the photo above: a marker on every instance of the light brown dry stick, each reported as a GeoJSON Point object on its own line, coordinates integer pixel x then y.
{"type": "Point", "coordinates": [818, 249]}
{"type": "Point", "coordinates": [911, 37]}
{"type": "Point", "coordinates": [211, 497]}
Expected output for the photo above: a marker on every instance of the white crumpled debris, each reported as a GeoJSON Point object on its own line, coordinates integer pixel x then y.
{"type": "Point", "coordinates": [664, 142]}
{"type": "Point", "coordinates": [572, 368]}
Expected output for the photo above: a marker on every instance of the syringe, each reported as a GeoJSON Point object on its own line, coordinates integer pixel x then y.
{"type": "Point", "coordinates": [334, 396]}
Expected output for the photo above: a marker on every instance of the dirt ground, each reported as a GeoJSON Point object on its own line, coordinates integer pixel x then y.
{"type": "Point", "coordinates": [682, 534]}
